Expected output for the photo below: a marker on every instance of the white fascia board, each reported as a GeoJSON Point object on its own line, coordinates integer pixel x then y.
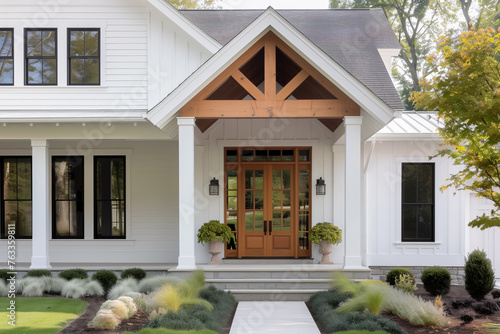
{"type": "Point", "coordinates": [189, 27]}
{"type": "Point", "coordinates": [405, 137]}
{"type": "Point", "coordinates": [387, 55]}
{"type": "Point", "coordinates": [270, 20]}
{"type": "Point", "coordinates": [70, 116]}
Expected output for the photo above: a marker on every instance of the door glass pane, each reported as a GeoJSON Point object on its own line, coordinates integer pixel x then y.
{"type": "Point", "coordinates": [259, 221]}
{"type": "Point", "coordinates": [303, 221]}
{"type": "Point", "coordinates": [261, 155]}
{"type": "Point", "coordinates": [249, 220]}
{"type": "Point", "coordinates": [249, 200]}
{"type": "Point", "coordinates": [259, 200]}
{"type": "Point", "coordinates": [232, 179]}
{"type": "Point", "coordinates": [304, 200]}
{"type": "Point", "coordinates": [249, 179]}
{"type": "Point", "coordinates": [304, 179]}
{"type": "Point", "coordinates": [259, 179]}
{"type": "Point", "coordinates": [232, 202]}
{"type": "Point", "coordinates": [286, 221]}
{"type": "Point", "coordinates": [232, 220]}
{"type": "Point", "coordinates": [287, 155]}
{"type": "Point", "coordinates": [232, 155]}
{"type": "Point", "coordinates": [303, 240]}
{"type": "Point", "coordinates": [287, 178]}
{"type": "Point", "coordinates": [276, 221]}
{"type": "Point", "coordinates": [277, 200]}
{"type": "Point", "coordinates": [275, 155]}
{"type": "Point", "coordinates": [276, 179]}
{"type": "Point", "coordinates": [303, 155]}
{"type": "Point", "coordinates": [247, 155]}
{"type": "Point", "coordinates": [286, 198]}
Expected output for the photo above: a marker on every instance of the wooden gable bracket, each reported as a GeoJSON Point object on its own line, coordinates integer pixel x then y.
{"type": "Point", "coordinates": [269, 103]}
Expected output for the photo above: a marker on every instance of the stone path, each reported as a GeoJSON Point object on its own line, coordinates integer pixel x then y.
{"type": "Point", "coordinates": [267, 317]}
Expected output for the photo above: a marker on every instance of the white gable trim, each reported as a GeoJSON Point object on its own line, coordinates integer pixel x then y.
{"type": "Point", "coordinates": [189, 27]}
{"type": "Point", "coordinates": [270, 20]}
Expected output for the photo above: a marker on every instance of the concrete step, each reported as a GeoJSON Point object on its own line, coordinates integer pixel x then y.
{"type": "Point", "coordinates": [277, 261]}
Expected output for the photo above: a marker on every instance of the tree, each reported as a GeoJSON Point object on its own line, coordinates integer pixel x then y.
{"type": "Point", "coordinates": [417, 23]}
{"type": "Point", "coordinates": [194, 4]}
{"type": "Point", "coordinates": [465, 92]}
{"type": "Point", "coordinates": [482, 14]}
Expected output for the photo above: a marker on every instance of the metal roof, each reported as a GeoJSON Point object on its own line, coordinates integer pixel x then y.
{"type": "Point", "coordinates": [352, 38]}
{"type": "Point", "coordinates": [412, 122]}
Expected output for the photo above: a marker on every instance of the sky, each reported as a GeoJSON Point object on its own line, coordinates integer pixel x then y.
{"type": "Point", "coordinates": [276, 4]}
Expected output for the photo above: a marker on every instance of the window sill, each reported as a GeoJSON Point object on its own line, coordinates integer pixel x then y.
{"type": "Point", "coordinates": [97, 242]}
{"type": "Point", "coordinates": [417, 243]}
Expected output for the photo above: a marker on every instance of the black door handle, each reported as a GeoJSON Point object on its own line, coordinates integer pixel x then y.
{"type": "Point", "coordinates": [270, 227]}
{"type": "Point", "coordinates": [265, 227]}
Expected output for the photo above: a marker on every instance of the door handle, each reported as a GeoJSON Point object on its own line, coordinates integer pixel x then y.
{"type": "Point", "coordinates": [270, 227]}
{"type": "Point", "coordinates": [265, 227]}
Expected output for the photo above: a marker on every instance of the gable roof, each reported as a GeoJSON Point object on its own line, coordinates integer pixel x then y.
{"type": "Point", "coordinates": [351, 38]}
{"type": "Point", "coordinates": [378, 111]}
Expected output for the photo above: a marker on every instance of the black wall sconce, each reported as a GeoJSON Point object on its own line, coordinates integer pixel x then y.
{"type": "Point", "coordinates": [320, 186]}
{"type": "Point", "coordinates": [213, 188]}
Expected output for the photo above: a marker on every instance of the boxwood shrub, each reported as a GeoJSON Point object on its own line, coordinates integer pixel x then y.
{"type": "Point", "coordinates": [136, 273]}
{"type": "Point", "coordinates": [436, 281]}
{"type": "Point", "coordinates": [4, 274]}
{"type": "Point", "coordinates": [479, 275]}
{"type": "Point", "coordinates": [73, 273]}
{"type": "Point", "coordinates": [107, 279]}
{"type": "Point", "coordinates": [39, 273]}
{"type": "Point", "coordinates": [322, 305]}
{"type": "Point", "coordinates": [395, 273]}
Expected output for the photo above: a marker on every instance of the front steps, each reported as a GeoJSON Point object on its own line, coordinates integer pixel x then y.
{"type": "Point", "coordinates": [273, 281]}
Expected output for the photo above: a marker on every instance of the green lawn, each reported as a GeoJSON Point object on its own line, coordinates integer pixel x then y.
{"type": "Point", "coordinates": [39, 315]}
{"type": "Point", "coordinates": [170, 331]}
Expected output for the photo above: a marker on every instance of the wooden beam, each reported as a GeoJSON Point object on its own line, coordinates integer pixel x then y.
{"type": "Point", "coordinates": [292, 85]}
{"type": "Point", "coordinates": [266, 109]}
{"type": "Point", "coordinates": [248, 85]}
{"type": "Point", "coordinates": [270, 69]}
{"type": "Point", "coordinates": [205, 124]}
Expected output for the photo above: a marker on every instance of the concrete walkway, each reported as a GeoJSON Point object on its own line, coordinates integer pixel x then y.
{"type": "Point", "coordinates": [268, 317]}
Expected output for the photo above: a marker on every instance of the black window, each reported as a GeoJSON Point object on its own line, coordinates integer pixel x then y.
{"type": "Point", "coordinates": [109, 197]}
{"type": "Point", "coordinates": [83, 56]}
{"type": "Point", "coordinates": [40, 50]}
{"type": "Point", "coordinates": [418, 202]}
{"type": "Point", "coordinates": [15, 208]}
{"type": "Point", "coordinates": [67, 197]}
{"type": "Point", "coordinates": [6, 56]}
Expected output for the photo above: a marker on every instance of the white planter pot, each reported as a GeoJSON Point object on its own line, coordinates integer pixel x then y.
{"type": "Point", "coordinates": [325, 248]}
{"type": "Point", "coordinates": [215, 249]}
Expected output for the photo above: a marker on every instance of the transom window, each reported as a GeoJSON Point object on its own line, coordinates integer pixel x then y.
{"type": "Point", "coordinates": [15, 191]}
{"type": "Point", "coordinates": [84, 56]}
{"type": "Point", "coordinates": [6, 56]}
{"type": "Point", "coordinates": [418, 202]}
{"type": "Point", "coordinates": [40, 51]}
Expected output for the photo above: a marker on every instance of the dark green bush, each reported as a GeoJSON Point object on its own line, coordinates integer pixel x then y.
{"type": "Point", "coordinates": [495, 294]}
{"type": "Point", "coordinates": [395, 273]}
{"type": "Point", "coordinates": [198, 317]}
{"type": "Point", "coordinates": [3, 275]}
{"type": "Point", "coordinates": [436, 281]}
{"type": "Point", "coordinates": [136, 273]}
{"type": "Point", "coordinates": [479, 275]}
{"type": "Point", "coordinates": [73, 273]}
{"type": "Point", "coordinates": [39, 273]}
{"type": "Point", "coordinates": [107, 279]}
{"type": "Point", "coordinates": [322, 305]}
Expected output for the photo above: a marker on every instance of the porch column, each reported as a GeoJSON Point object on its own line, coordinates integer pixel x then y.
{"type": "Point", "coordinates": [186, 193]}
{"type": "Point", "coordinates": [40, 205]}
{"type": "Point", "coordinates": [352, 171]}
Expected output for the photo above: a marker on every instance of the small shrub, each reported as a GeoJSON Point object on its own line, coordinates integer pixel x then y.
{"type": "Point", "coordinates": [123, 288]}
{"type": "Point", "coordinates": [73, 273]}
{"type": "Point", "coordinates": [104, 319]}
{"type": "Point", "coordinates": [466, 318]}
{"type": "Point", "coordinates": [486, 307]}
{"type": "Point", "coordinates": [94, 288]}
{"type": "Point", "coordinates": [436, 281]}
{"type": "Point", "coordinates": [33, 289]}
{"type": "Point", "coordinates": [136, 273]}
{"type": "Point", "coordinates": [438, 302]}
{"type": "Point", "coordinates": [140, 299]}
{"type": "Point", "coordinates": [107, 279]}
{"type": "Point", "coordinates": [406, 283]}
{"type": "Point", "coordinates": [38, 273]}
{"type": "Point", "coordinates": [117, 307]}
{"type": "Point", "coordinates": [151, 284]}
{"type": "Point", "coordinates": [495, 294]}
{"type": "Point", "coordinates": [479, 275]}
{"type": "Point", "coordinates": [4, 291]}
{"type": "Point", "coordinates": [396, 272]}
{"type": "Point", "coordinates": [54, 285]}
{"type": "Point", "coordinates": [74, 289]}
{"type": "Point", "coordinates": [4, 275]}
{"type": "Point", "coordinates": [131, 306]}
{"type": "Point", "coordinates": [461, 303]}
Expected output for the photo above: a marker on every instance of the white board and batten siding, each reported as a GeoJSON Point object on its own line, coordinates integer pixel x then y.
{"type": "Point", "coordinates": [263, 133]}
{"type": "Point", "coordinates": [383, 208]}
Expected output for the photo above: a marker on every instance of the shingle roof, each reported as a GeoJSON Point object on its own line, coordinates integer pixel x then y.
{"type": "Point", "coordinates": [350, 37]}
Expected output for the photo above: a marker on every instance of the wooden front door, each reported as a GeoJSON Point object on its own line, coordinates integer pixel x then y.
{"type": "Point", "coordinates": [268, 192]}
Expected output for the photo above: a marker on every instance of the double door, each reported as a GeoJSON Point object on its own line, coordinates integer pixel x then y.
{"type": "Point", "coordinates": [267, 211]}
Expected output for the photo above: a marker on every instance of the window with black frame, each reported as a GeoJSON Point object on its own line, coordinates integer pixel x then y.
{"type": "Point", "coordinates": [67, 197]}
{"type": "Point", "coordinates": [418, 202]}
{"type": "Point", "coordinates": [109, 197]}
{"type": "Point", "coordinates": [6, 56]}
{"type": "Point", "coordinates": [84, 56]}
{"type": "Point", "coordinates": [40, 51]}
{"type": "Point", "coordinates": [16, 205]}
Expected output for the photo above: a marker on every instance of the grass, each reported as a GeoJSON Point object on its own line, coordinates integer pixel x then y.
{"type": "Point", "coordinates": [170, 331]}
{"type": "Point", "coordinates": [40, 315]}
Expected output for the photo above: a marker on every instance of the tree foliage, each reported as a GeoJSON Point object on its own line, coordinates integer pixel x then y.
{"type": "Point", "coordinates": [465, 92]}
{"type": "Point", "coordinates": [417, 23]}
{"type": "Point", "coordinates": [194, 4]}
{"type": "Point", "coordinates": [480, 13]}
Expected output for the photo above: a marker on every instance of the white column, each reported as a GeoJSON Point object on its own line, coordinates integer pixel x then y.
{"type": "Point", "coordinates": [187, 233]}
{"type": "Point", "coordinates": [40, 204]}
{"type": "Point", "coordinates": [353, 198]}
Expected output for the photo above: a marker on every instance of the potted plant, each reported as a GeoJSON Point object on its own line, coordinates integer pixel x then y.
{"type": "Point", "coordinates": [326, 235]}
{"type": "Point", "coordinates": [214, 233]}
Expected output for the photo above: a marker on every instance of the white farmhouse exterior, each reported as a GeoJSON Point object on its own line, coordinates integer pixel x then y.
{"type": "Point", "coordinates": [115, 115]}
